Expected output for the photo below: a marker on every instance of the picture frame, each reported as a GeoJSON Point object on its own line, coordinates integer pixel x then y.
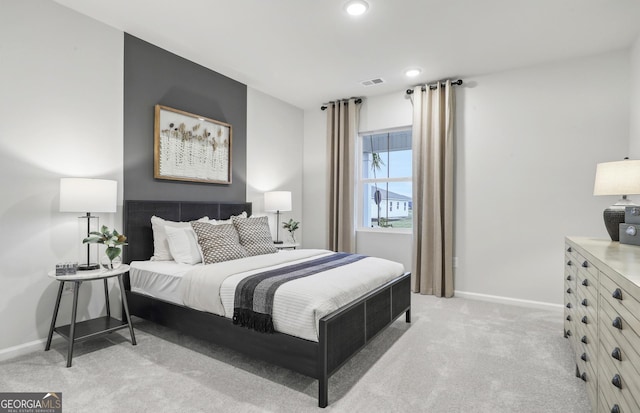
{"type": "Point", "coordinates": [190, 147]}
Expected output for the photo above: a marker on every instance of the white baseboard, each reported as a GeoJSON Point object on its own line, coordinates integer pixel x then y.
{"type": "Point", "coordinates": [508, 300]}
{"type": "Point", "coordinates": [26, 348]}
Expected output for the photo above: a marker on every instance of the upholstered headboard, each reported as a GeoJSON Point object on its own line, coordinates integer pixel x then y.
{"type": "Point", "coordinates": [137, 220]}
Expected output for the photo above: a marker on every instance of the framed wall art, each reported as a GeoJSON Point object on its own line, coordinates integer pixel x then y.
{"type": "Point", "coordinates": [190, 147]}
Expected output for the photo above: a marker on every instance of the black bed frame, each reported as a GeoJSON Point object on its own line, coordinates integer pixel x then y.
{"type": "Point", "coordinates": [342, 333]}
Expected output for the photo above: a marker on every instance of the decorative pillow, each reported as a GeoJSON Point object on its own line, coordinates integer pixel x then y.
{"type": "Point", "coordinates": [161, 250]}
{"type": "Point", "coordinates": [218, 242]}
{"type": "Point", "coordinates": [255, 235]}
{"type": "Point", "coordinates": [183, 245]}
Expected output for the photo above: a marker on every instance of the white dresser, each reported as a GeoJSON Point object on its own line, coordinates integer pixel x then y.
{"type": "Point", "coordinates": [602, 320]}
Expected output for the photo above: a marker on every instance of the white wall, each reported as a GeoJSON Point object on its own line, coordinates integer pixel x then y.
{"type": "Point", "coordinates": [634, 107]}
{"type": "Point", "coordinates": [527, 145]}
{"type": "Point", "coordinates": [315, 179]}
{"type": "Point", "coordinates": [274, 156]}
{"type": "Point", "coordinates": [61, 109]}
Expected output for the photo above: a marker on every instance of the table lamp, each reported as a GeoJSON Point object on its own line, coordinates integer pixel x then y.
{"type": "Point", "coordinates": [277, 201]}
{"type": "Point", "coordinates": [88, 195]}
{"type": "Point", "coordinates": [619, 178]}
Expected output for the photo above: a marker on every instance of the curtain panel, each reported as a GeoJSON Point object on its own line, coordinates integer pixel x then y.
{"type": "Point", "coordinates": [342, 131]}
{"type": "Point", "coordinates": [433, 169]}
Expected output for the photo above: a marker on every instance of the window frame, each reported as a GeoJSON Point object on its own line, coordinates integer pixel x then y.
{"type": "Point", "coordinates": [361, 182]}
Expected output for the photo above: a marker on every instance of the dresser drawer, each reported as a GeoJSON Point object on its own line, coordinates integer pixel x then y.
{"type": "Point", "coordinates": [609, 317]}
{"type": "Point", "coordinates": [609, 404]}
{"type": "Point", "coordinates": [584, 265]}
{"type": "Point", "coordinates": [587, 285]}
{"type": "Point", "coordinates": [622, 358]}
{"type": "Point", "coordinates": [570, 269]}
{"type": "Point", "coordinates": [589, 365]}
{"type": "Point", "coordinates": [616, 386]}
{"type": "Point", "coordinates": [586, 311]}
{"type": "Point", "coordinates": [625, 305]}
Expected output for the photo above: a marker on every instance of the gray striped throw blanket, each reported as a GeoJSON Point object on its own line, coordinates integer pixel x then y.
{"type": "Point", "coordinates": [253, 302]}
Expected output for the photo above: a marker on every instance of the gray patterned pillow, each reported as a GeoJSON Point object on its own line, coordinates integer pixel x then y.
{"type": "Point", "coordinates": [255, 235]}
{"type": "Point", "coordinates": [218, 242]}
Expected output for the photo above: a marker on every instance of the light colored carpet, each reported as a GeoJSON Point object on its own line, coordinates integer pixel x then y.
{"type": "Point", "coordinates": [458, 355]}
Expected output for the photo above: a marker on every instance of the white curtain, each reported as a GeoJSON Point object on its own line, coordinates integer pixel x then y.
{"type": "Point", "coordinates": [342, 130]}
{"type": "Point", "coordinates": [433, 167]}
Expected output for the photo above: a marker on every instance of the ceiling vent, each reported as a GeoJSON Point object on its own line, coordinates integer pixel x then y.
{"type": "Point", "coordinates": [372, 82]}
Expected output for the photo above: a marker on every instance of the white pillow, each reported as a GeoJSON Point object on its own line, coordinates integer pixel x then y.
{"type": "Point", "coordinates": [227, 221]}
{"type": "Point", "coordinates": [183, 245]}
{"type": "Point", "coordinates": [161, 250]}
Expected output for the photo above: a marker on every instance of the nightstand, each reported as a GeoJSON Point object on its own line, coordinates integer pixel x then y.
{"type": "Point", "coordinates": [287, 246]}
{"type": "Point", "coordinates": [91, 328]}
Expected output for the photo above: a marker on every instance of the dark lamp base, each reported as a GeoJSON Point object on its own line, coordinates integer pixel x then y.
{"type": "Point", "coordinates": [613, 217]}
{"type": "Point", "coordinates": [88, 267]}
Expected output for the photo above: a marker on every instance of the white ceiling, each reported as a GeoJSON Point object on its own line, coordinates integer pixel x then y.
{"type": "Point", "coordinates": [307, 52]}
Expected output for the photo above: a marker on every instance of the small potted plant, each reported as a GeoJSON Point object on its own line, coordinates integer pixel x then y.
{"type": "Point", "coordinates": [113, 240]}
{"type": "Point", "coordinates": [291, 226]}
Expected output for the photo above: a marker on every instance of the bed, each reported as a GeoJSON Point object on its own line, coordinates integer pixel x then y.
{"type": "Point", "coordinates": [341, 333]}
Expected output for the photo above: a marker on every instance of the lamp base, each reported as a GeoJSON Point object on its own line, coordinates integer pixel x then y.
{"type": "Point", "coordinates": [614, 216]}
{"type": "Point", "coordinates": [88, 267]}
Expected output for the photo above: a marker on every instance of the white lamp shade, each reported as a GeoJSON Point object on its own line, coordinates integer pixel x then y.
{"type": "Point", "coordinates": [88, 195]}
{"type": "Point", "coordinates": [277, 201]}
{"type": "Point", "coordinates": [617, 178]}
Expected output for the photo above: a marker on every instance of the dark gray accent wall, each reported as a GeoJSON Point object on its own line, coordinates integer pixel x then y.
{"type": "Point", "coordinates": [155, 76]}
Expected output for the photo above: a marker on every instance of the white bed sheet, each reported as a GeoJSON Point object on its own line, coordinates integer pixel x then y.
{"type": "Point", "coordinates": [298, 304]}
{"type": "Point", "coordinates": [159, 279]}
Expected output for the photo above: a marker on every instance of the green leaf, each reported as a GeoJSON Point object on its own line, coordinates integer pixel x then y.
{"type": "Point", "coordinates": [113, 252]}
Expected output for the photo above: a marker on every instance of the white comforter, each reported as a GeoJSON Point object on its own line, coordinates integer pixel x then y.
{"type": "Point", "coordinates": [299, 304]}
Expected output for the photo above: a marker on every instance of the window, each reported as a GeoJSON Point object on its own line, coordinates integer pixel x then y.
{"type": "Point", "coordinates": [384, 179]}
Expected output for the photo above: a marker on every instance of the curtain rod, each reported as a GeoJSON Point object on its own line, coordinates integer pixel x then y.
{"type": "Point", "coordinates": [323, 107]}
{"type": "Point", "coordinates": [424, 87]}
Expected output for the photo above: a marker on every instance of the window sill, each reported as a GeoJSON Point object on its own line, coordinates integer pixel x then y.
{"type": "Point", "coordinates": [407, 231]}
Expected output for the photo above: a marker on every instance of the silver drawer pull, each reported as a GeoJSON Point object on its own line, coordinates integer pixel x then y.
{"type": "Point", "coordinates": [569, 249]}
{"type": "Point", "coordinates": [583, 376]}
{"type": "Point", "coordinates": [585, 282]}
{"type": "Point", "coordinates": [584, 320]}
{"type": "Point", "coordinates": [567, 334]}
{"type": "Point", "coordinates": [615, 409]}
{"type": "Point", "coordinates": [617, 294]}
{"type": "Point", "coordinates": [617, 323]}
{"type": "Point", "coordinates": [617, 381]}
{"type": "Point", "coordinates": [569, 305]}
{"type": "Point", "coordinates": [569, 278]}
{"type": "Point", "coordinates": [616, 354]}
{"type": "Point", "coordinates": [569, 317]}
{"type": "Point", "coordinates": [569, 263]}
{"type": "Point", "coordinates": [584, 339]}
{"type": "Point", "coordinates": [585, 302]}
{"type": "Point", "coordinates": [583, 357]}
{"type": "Point", "coordinates": [569, 291]}
{"type": "Point", "coordinates": [585, 264]}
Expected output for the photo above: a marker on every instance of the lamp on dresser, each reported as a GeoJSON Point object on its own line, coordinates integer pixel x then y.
{"type": "Point", "coordinates": [619, 178]}
{"type": "Point", "coordinates": [88, 195]}
{"type": "Point", "coordinates": [277, 201]}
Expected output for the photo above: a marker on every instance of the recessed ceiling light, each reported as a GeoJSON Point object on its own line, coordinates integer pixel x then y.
{"type": "Point", "coordinates": [412, 72]}
{"type": "Point", "coordinates": [356, 7]}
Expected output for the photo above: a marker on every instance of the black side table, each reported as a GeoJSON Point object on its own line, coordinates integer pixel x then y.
{"type": "Point", "coordinates": [91, 328]}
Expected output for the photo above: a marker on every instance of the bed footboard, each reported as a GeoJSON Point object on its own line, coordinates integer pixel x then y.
{"type": "Point", "coordinates": [344, 332]}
